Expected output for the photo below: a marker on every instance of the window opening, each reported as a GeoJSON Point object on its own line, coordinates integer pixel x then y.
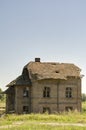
{"type": "Point", "coordinates": [68, 92]}
{"type": "Point", "coordinates": [25, 109]}
{"type": "Point", "coordinates": [46, 92]}
{"type": "Point", "coordinates": [46, 110]}
{"type": "Point", "coordinates": [26, 92]}
{"type": "Point", "coordinates": [68, 108]}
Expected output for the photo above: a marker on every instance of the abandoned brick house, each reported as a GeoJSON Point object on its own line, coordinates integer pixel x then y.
{"type": "Point", "coordinates": [45, 86]}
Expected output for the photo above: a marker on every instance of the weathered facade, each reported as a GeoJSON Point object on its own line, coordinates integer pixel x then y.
{"type": "Point", "coordinates": [45, 86]}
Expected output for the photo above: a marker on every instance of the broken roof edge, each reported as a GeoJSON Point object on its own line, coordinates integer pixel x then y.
{"type": "Point", "coordinates": [19, 81]}
{"type": "Point", "coordinates": [13, 82]}
{"type": "Point", "coordinates": [65, 78]}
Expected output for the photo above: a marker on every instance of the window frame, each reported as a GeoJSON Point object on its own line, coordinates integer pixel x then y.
{"type": "Point", "coordinates": [46, 92]}
{"type": "Point", "coordinates": [68, 92]}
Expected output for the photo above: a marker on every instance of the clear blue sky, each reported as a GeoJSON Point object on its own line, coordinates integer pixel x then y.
{"type": "Point", "coordinates": [54, 30]}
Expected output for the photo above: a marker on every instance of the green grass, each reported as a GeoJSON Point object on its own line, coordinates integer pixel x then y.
{"type": "Point", "coordinates": [44, 121]}
{"type": "Point", "coordinates": [84, 107]}
{"type": "Point", "coordinates": [44, 127]}
{"type": "Point", "coordinates": [2, 104]}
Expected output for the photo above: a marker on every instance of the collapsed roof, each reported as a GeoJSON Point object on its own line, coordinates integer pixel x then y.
{"type": "Point", "coordinates": [46, 70]}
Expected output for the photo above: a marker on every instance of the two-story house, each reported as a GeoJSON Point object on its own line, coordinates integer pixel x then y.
{"type": "Point", "coordinates": [45, 86]}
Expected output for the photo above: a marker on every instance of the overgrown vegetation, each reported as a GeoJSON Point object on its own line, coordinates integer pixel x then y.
{"type": "Point", "coordinates": [63, 121]}
{"type": "Point", "coordinates": [44, 121]}
{"type": "Point", "coordinates": [83, 97]}
{"type": "Point", "coordinates": [2, 101]}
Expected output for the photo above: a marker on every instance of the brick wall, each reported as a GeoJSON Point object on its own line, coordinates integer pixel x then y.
{"type": "Point", "coordinates": [56, 102]}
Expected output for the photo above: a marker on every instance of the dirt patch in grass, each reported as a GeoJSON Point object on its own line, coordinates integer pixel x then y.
{"type": "Point", "coordinates": [18, 123]}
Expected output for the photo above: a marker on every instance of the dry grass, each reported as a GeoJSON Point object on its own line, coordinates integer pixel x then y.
{"type": "Point", "coordinates": [64, 121]}
{"type": "Point", "coordinates": [2, 107]}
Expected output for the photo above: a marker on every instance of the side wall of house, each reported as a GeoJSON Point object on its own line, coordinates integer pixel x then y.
{"type": "Point", "coordinates": [75, 101]}
{"type": "Point", "coordinates": [22, 103]}
{"type": "Point", "coordinates": [10, 100]}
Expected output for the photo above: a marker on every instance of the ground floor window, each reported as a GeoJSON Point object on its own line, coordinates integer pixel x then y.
{"type": "Point", "coordinates": [68, 108]}
{"type": "Point", "coordinates": [25, 109]}
{"type": "Point", "coordinates": [46, 110]}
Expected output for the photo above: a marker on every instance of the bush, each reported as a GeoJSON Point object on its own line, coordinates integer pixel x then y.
{"type": "Point", "coordinates": [83, 97]}
{"type": "Point", "coordinates": [2, 96]}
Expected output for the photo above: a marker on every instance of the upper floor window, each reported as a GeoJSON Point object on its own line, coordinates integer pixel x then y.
{"type": "Point", "coordinates": [25, 74]}
{"type": "Point", "coordinates": [68, 92]}
{"type": "Point", "coordinates": [25, 92]}
{"type": "Point", "coordinates": [46, 92]}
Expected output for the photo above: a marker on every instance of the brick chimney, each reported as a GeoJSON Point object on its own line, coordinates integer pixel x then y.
{"type": "Point", "coordinates": [37, 59]}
